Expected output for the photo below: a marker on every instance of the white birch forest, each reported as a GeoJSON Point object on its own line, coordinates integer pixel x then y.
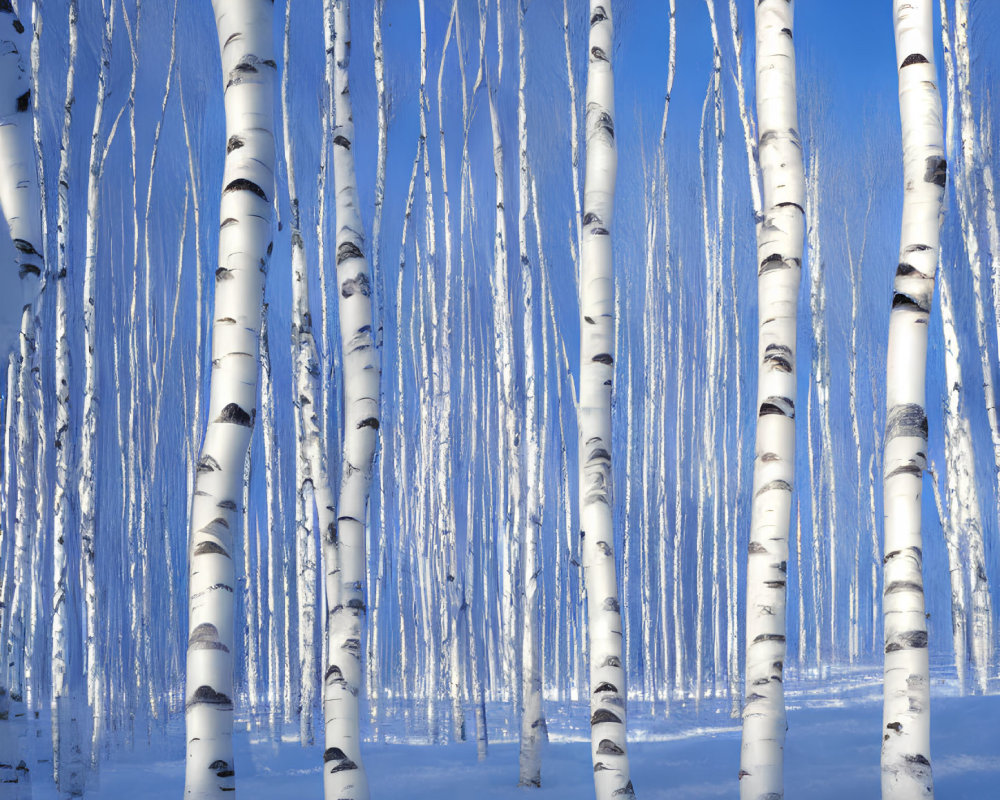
{"type": "Point", "coordinates": [469, 145]}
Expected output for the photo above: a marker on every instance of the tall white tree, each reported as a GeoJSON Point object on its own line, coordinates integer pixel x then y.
{"type": "Point", "coordinates": [248, 69]}
{"type": "Point", "coordinates": [597, 336]}
{"type": "Point", "coordinates": [906, 767]}
{"type": "Point", "coordinates": [533, 727]}
{"type": "Point", "coordinates": [779, 258]}
{"type": "Point", "coordinates": [66, 643]}
{"type": "Point", "coordinates": [343, 771]}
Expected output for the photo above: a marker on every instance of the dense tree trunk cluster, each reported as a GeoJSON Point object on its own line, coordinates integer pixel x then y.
{"type": "Point", "coordinates": [404, 549]}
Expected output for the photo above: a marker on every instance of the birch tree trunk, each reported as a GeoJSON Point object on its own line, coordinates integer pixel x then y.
{"type": "Point", "coordinates": [597, 336]}
{"type": "Point", "coordinates": [533, 730]}
{"type": "Point", "coordinates": [779, 257]}
{"type": "Point", "coordinates": [20, 198]}
{"type": "Point", "coordinates": [343, 772]}
{"type": "Point", "coordinates": [906, 767]}
{"type": "Point", "coordinates": [66, 645]}
{"type": "Point", "coordinates": [246, 45]}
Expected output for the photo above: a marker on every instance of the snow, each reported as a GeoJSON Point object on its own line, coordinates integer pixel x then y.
{"type": "Point", "coordinates": [832, 751]}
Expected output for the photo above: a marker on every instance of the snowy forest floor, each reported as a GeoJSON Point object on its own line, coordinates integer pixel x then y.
{"type": "Point", "coordinates": [832, 751]}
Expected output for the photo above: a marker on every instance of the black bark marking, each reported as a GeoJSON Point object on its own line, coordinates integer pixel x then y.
{"type": "Point", "coordinates": [603, 715]}
{"type": "Point", "coordinates": [937, 171]}
{"type": "Point", "coordinates": [370, 422]}
{"type": "Point", "coordinates": [787, 32]}
{"type": "Point", "coordinates": [895, 726]}
{"type": "Point", "coordinates": [774, 584]}
{"type": "Point", "coordinates": [605, 122]}
{"type": "Point", "coordinates": [603, 358]}
{"type": "Point", "coordinates": [242, 184]}
{"type": "Point", "coordinates": [346, 250]}
{"type": "Point", "coordinates": [208, 464]}
{"type": "Point", "coordinates": [206, 637]}
{"type": "Point", "coordinates": [789, 203]}
{"type": "Point", "coordinates": [234, 414]}
{"type": "Point", "coordinates": [906, 419]}
{"type": "Point", "coordinates": [234, 143]}
{"type": "Point", "coordinates": [907, 469]}
{"type": "Point", "coordinates": [208, 548]}
{"type": "Point", "coordinates": [914, 58]}
{"type": "Point", "coordinates": [206, 694]}
{"type": "Point", "coordinates": [606, 687]}
{"type": "Point", "coordinates": [597, 54]}
{"type": "Point", "coordinates": [611, 604]}
{"type": "Point", "coordinates": [356, 285]}
{"type": "Point", "coordinates": [599, 15]}
{"type": "Point", "coordinates": [756, 547]}
{"type": "Point", "coordinates": [223, 274]}
{"type": "Point", "coordinates": [335, 754]}
{"type": "Point", "coordinates": [609, 748]}
{"type": "Point", "coordinates": [779, 357]}
{"type": "Point", "coordinates": [24, 101]}
{"type": "Point", "coordinates": [782, 406]}
{"type": "Point", "coordinates": [612, 661]}
{"type": "Point", "coordinates": [26, 247]}
{"type": "Point", "coordinates": [905, 270]}
{"type": "Point", "coordinates": [28, 269]}
{"type": "Point", "coordinates": [769, 637]}
{"type": "Point", "coordinates": [906, 640]}
{"type": "Point", "coordinates": [909, 303]}
{"type": "Point", "coordinates": [342, 141]}
{"type": "Point", "coordinates": [595, 231]}
{"type": "Point", "coordinates": [772, 262]}
{"type": "Point", "coordinates": [227, 504]}
{"type": "Point", "coordinates": [775, 485]}
{"type": "Point", "coordinates": [591, 218]}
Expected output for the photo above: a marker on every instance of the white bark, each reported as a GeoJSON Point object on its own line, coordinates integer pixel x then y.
{"type": "Point", "coordinates": [533, 732]}
{"type": "Point", "coordinates": [87, 486]}
{"type": "Point", "coordinates": [779, 258]}
{"type": "Point", "coordinates": [966, 517]}
{"type": "Point", "coordinates": [906, 768]}
{"type": "Point", "coordinates": [311, 481]}
{"type": "Point", "coordinates": [246, 45]}
{"type": "Point", "coordinates": [344, 773]}
{"type": "Point", "coordinates": [19, 189]}
{"type": "Point", "coordinates": [66, 644]}
{"type": "Point", "coordinates": [597, 335]}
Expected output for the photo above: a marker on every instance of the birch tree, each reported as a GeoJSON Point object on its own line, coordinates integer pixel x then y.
{"type": "Point", "coordinates": [66, 644]}
{"type": "Point", "coordinates": [343, 771]}
{"type": "Point", "coordinates": [597, 336]}
{"type": "Point", "coordinates": [248, 67]}
{"type": "Point", "coordinates": [20, 200]}
{"type": "Point", "coordinates": [906, 767]}
{"type": "Point", "coordinates": [533, 728]}
{"type": "Point", "coordinates": [779, 256]}
{"type": "Point", "coordinates": [19, 191]}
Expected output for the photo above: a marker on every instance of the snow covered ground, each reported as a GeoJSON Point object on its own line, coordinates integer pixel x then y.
{"type": "Point", "coordinates": [832, 752]}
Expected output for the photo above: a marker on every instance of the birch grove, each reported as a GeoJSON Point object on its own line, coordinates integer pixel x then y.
{"type": "Point", "coordinates": [471, 257]}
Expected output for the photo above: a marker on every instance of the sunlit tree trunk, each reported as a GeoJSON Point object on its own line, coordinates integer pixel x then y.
{"type": "Point", "coordinates": [343, 772]}
{"type": "Point", "coordinates": [66, 644]}
{"type": "Point", "coordinates": [248, 68]}
{"type": "Point", "coordinates": [779, 259]}
{"type": "Point", "coordinates": [906, 767]}
{"type": "Point", "coordinates": [597, 336]}
{"type": "Point", "coordinates": [19, 191]}
{"type": "Point", "coordinates": [533, 729]}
